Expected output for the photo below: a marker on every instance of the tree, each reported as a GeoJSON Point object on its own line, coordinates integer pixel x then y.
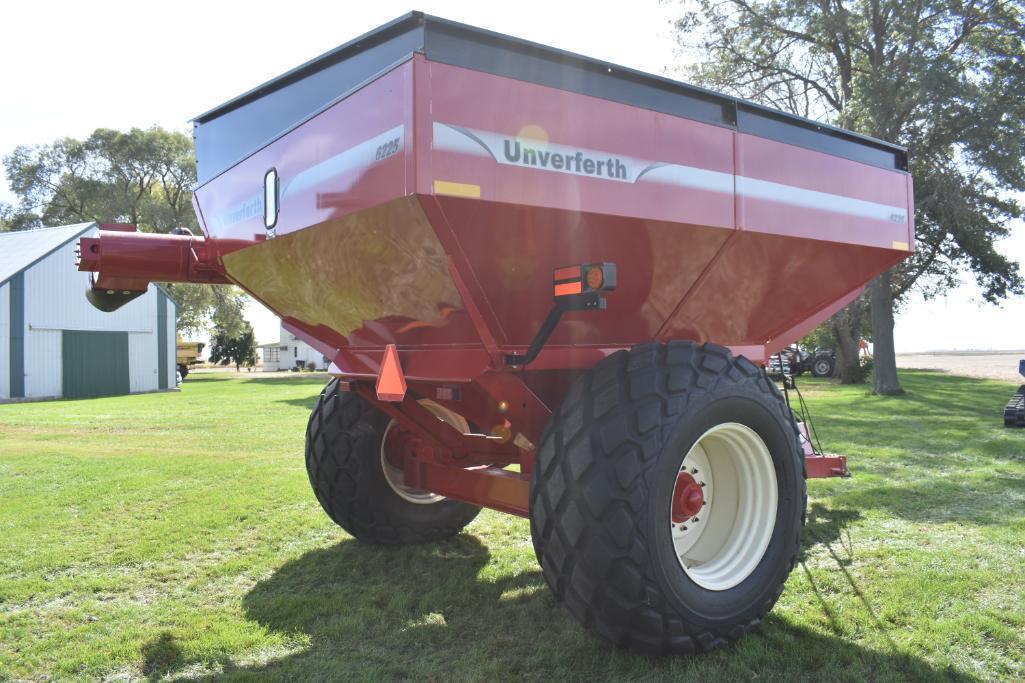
{"type": "Point", "coordinates": [143, 177]}
{"type": "Point", "coordinates": [844, 336]}
{"type": "Point", "coordinates": [11, 219]}
{"type": "Point", "coordinates": [238, 348]}
{"type": "Point", "coordinates": [942, 77]}
{"type": "Point", "coordinates": [220, 304]}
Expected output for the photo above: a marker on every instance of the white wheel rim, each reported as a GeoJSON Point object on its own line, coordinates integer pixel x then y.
{"type": "Point", "coordinates": [396, 477]}
{"type": "Point", "coordinates": [721, 545]}
{"type": "Point", "coordinates": [823, 367]}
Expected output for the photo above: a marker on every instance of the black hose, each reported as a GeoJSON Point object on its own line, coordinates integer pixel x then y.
{"type": "Point", "coordinates": [803, 410]}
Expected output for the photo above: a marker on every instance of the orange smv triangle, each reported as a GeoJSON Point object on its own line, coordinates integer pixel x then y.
{"type": "Point", "coordinates": [391, 384]}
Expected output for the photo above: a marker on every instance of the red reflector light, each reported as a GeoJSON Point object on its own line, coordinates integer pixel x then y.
{"type": "Point", "coordinates": [567, 288]}
{"type": "Point", "coordinates": [567, 273]}
{"type": "Point", "coordinates": [595, 278]}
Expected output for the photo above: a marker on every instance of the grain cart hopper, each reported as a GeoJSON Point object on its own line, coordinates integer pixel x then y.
{"type": "Point", "coordinates": [549, 286]}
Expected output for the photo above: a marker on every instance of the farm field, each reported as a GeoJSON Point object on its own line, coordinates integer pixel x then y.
{"type": "Point", "coordinates": [1001, 365]}
{"type": "Point", "coordinates": [174, 536]}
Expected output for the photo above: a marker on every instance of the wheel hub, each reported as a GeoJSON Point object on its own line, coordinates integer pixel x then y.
{"type": "Point", "coordinates": [687, 498]}
{"type": "Point", "coordinates": [723, 508]}
{"type": "Point", "coordinates": [398, 443]}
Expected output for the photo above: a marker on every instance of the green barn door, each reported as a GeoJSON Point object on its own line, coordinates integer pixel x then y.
{"type": "Point", "coordinates": [95, 363]}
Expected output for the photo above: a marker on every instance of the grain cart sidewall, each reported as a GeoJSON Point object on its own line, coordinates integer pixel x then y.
{"type": "Point", "coordinates": [714, 607]}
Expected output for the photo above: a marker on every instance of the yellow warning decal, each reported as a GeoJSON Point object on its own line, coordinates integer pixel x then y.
{"type": "Point", "coordinates": [903, 246]}
{"type": "Point", "coordinates": [456, 189]}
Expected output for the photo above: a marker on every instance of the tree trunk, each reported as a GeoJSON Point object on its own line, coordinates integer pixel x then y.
{"type": "Point", "coordinates": [845, 326]}
{"type": "Point", "coordinates": [884, 359]}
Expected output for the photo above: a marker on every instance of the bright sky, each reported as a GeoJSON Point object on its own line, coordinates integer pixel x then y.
{"type": "Point", "coordinates": [71, 67]}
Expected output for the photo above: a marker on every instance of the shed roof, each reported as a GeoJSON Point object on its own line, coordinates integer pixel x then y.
{"type": "Point", "coordinates": [19, 250]}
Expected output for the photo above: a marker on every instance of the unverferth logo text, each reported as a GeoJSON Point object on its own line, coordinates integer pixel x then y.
{"type": "Point", "coordinates": [522, 155]}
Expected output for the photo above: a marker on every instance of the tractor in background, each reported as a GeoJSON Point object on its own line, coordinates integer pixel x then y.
{"type": "Point", "coordinates": [795, 361]}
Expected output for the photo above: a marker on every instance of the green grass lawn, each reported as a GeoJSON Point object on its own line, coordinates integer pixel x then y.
{"type": "Point", "coordinates": [175, 536]}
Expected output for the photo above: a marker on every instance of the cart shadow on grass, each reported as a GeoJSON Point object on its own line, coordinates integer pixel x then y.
{"type": "Point", "coordinates": [828, 528]}
{"type": "Point", "coordinates": [946, 464]}
{"type": "Point", "coordinates": [450, 610]}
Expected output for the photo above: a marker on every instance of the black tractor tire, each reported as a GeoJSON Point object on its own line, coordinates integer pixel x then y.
{"type": "Point", "coordinates": [603, 481]}
{"type": "Point", "coordinates": [343, 461]}
{"type": "Point", "coordinates": [823, 366]}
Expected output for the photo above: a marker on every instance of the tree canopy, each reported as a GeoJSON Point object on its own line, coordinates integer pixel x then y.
{"type": "Point", "coordinates": [143, 176]}
{"type": "Point", "coordinates": [942, 77]}
{"type": "Point", "coordinates": [238, 348]}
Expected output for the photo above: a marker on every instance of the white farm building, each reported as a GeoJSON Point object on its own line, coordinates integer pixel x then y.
{"type": "Point", "coordinates": [289, 353]}
{"type": "Point", "coordinates": [53, 343]}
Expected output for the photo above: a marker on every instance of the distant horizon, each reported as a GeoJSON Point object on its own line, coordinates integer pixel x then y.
{"type": "Point", "coordinates": [964, 352]}
{"type": "Point", "coordinates": [266, 328]}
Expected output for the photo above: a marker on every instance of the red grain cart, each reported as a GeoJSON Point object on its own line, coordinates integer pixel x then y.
{"type": "Point", "coordinates": [549, 286]}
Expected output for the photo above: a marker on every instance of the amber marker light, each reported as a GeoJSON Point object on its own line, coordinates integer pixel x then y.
{"type": "Point", "coordinates": [581, 279]}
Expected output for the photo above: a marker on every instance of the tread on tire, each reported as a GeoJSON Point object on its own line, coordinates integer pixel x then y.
{"type": "Point", "coordinates": [599, 495]}
{"type": "Point", "coordinates": [343, 461]}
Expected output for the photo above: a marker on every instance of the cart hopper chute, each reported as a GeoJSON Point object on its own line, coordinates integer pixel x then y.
{"type": "Point", "coordinates": [519, 256]}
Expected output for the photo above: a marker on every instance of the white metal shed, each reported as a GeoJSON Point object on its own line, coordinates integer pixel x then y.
{"type": "Point", "coordinates": [53, 343]}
